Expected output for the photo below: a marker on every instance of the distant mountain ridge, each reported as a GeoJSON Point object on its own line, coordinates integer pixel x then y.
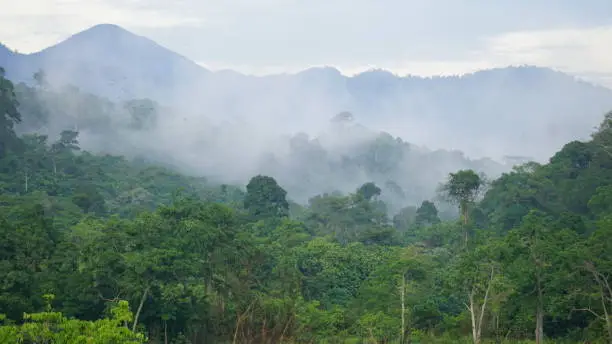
{"type": "Point", "coordinates": [518, 111]}
{"type": "Point", "coordinates": [107, 60]}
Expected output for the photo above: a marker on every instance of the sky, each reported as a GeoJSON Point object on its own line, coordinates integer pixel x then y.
{"type": "Point", "coordinates": [418, 37]}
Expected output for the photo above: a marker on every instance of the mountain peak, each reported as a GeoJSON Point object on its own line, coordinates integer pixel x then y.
{"type": "Point", "coordinates": [106, 27]}
{"type": "Point", "coordinates": [104, 30]}
{"type": "Point", "coordinates": [117, 56]}
{"type": "Point", "coordinates": [104, 35]}
{"type": "Point", "coordinates": [109, 44]}
{"type": "Point", "coordinates": [108, 30]}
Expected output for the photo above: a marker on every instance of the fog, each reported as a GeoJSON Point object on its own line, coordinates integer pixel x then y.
{"type": "Point", "coordinates": [404, 133]}
{"type": "Point", "coordinates": [331, 153]}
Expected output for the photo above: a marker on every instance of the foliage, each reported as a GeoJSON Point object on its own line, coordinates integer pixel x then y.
{"type": "Point", "coordinates": [54, 327]}
{"type": "Point", "coordinates": [132, 250]}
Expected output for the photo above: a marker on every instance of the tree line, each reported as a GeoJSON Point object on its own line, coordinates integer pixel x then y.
{"type": "Point", "coordinates": [99, 249]}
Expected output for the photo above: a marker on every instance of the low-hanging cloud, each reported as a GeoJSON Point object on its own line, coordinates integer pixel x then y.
{"type": "Point", "coordinates": [230, 126]}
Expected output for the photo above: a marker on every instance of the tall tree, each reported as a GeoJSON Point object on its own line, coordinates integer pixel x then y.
{"type": "Point", "coordinates": [427, 214]}
{"type": "Point", "coordinates": [536, 264]}
{"type": "Point", "coordinates": [9, 115]}
{"type": "Point", "coordinates": [596, 284]}
{"type": "Point", "coordinates": [462, 188]}
{"type": "Point", "coordinates": [265, 198]}
{"type": "Point", "coordinates": [66, 145]}
{"type": "Point", "coordinates": [476, 274]}
{"type": "Point", "coordinates": [368, 191]}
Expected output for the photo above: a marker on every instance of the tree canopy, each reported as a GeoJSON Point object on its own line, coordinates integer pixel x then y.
{"type": "Point", "coordinates": [98, 248]}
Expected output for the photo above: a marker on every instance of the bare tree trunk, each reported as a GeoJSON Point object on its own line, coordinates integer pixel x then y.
{"type": "Point", "coordinates": [605, 294]}
{"type": "Point", "coordinates": [539, 327]}
{"type": "Point", "coordinates": [606, 315]}
{"type": "Point", "coordinates": [282, 337]}
{"type": "Point", "coordinates": [142, 301]}
{"type": "Point", "coordinates": [372, 338]}
{"type": "Point", "coordinates": [472, 309]}
{"type": "Point", "coordinates": [239, 321]}
{"type": "Point", "coordinates": [605, 306]}
{"type": "Point", "coordinates": [606, 309]}
{"type": "Point", "coordinates": [402, 300]}
{"type": "Point", "coordinates": [477, 315]}
{"type": "Point", "coordinates": [498, 339]}
{"type": "Point", "coordinates": [263, 331]}
{"type": "Point", "coordinates": [165, 332]}
{"type": "Point", "coordinates": [539, 330]}
{"type": "Point", "coordinates": [609, 326]}
{"type": "Point", "coordinates": [465, 214]}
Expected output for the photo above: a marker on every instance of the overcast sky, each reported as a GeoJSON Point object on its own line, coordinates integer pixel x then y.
{"type": "Point", "coordinates": [422, 37]}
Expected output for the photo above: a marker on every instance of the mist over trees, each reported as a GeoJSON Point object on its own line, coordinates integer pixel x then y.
{"type": "Point", "coordinates": [131, 220]}
{"type": "Point", "coordinates": [341, 158]}
{"type": "Point", "coordinates": [104, 248]}
{"type": "Point", "coordinates": [519, 111]}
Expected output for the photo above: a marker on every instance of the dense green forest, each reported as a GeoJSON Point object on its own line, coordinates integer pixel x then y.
{"type": "Point", "coordinates": [101, 249]}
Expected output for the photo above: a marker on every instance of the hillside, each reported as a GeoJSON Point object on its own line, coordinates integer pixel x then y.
{"type": "Point", "coordinates": [110, 61]}
{"type": "Point", "coordinates": [103, 249]}
{"type": "Point", "coordinates": [516, 111]}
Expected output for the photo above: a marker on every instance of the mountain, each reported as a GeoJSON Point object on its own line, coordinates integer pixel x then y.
{"type": "Point", "coordinates": [111, 61]}
{"type": "Point", "coordinates": [521, 111]}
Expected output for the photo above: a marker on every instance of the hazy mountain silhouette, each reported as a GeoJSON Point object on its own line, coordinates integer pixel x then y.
{"type": "Point", "coordinates": [507, 111]}
{"type": "Point", "coordinates": [111, 61]}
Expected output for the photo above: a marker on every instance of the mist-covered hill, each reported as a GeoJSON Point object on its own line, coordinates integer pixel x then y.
{"type": "Point", "coordinates": [341, 157]}
{"type": "Point", "coordinates": [514, 111]}
{"type": "Point", "coordinates": [97, 247]}
{"type": "Point", "coordinates": [109, 61]}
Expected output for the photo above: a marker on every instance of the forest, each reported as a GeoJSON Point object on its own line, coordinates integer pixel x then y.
{"type": "Point", "coordinates": [99, 248]}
